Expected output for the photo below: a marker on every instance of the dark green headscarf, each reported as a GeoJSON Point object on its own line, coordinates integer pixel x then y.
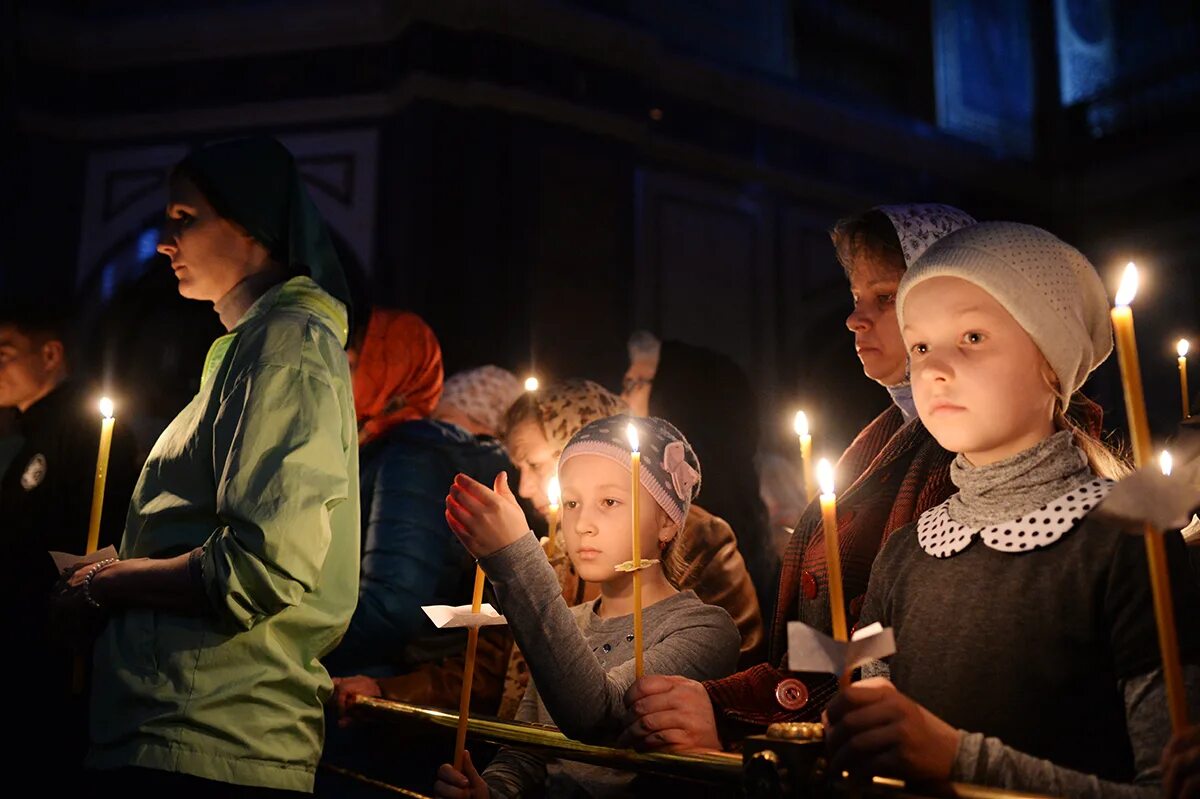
{"type": "Point", "coordinates": [254, 182]}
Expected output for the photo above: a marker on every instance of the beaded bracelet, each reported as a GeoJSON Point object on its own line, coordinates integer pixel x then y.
{"type": "Point", "coordinates": [93, 570]}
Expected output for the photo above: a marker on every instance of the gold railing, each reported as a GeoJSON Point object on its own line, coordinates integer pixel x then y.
{"type": "Point", "coordinates": [804, 761]}
{"type": "Point", "coordinates": [709, 767]}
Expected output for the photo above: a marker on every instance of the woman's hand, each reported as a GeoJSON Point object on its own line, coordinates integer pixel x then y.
{"type": "Point", "coordinates": [173, 584]}
{"type": "Point", "coordinates": [669, 713]}
{"type": "Point", "coordinates": [74, 621]}
{"type": "Point", "coordinates": [1181, 765]}
{"type": "Point", "coordinates": [485, 520]}
{"type": "Point", "coordinates": [873, 729]}
{"type": "Point", "coordinates": [467, 784]}
{"type": "Point", "coordinates": [345, 689]}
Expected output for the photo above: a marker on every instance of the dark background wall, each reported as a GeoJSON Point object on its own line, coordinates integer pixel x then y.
{"type": "Point", "coordinates": [538, 179]}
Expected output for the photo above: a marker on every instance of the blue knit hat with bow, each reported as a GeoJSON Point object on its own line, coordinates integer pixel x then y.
{"type": "Point", "coordinates": [670, 470]}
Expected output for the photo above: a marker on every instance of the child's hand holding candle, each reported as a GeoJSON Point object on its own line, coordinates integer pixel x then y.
{"type": "Point", "coordinates": [465, 784]}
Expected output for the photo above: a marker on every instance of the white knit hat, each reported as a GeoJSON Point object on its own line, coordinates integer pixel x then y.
{"type": "Point", "coordinates": [1048, 287]}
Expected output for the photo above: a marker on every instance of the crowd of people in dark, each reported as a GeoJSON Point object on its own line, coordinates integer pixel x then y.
{"type": "Point", "coordinates": [275, 548]}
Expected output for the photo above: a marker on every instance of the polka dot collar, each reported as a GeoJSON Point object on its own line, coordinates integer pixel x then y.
{"type": "Point", "coordinates": [942, 537]}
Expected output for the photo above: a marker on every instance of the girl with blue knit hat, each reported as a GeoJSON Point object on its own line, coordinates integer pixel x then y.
{"type": "Point", "coordinates": [582, 658]}
{"type": "Point", "coordinates": [1027, 653]}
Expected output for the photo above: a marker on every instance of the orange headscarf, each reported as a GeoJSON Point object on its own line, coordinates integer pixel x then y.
{"type": "Point", "coordinates": [399, 373]}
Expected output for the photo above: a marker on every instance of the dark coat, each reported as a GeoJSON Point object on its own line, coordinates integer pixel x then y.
{"type": "Point", "coordinates": [410, 558]}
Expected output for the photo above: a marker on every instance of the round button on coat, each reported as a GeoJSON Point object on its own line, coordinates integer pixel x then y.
{"type": "Point", "coordinates": [791, 694]}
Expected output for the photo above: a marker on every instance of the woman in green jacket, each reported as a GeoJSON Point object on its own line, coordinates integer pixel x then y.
{"type": "Point", "coordinates": [239, 563]}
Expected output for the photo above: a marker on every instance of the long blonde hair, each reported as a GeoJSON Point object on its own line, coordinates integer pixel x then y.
{"type": "Point", "coordinates": [1102, 459]}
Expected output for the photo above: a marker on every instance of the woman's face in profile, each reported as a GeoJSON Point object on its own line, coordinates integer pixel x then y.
{"type": "Point", "coordinates": [209, 254]}
{"type": "Point", "coordinates": [877, 340]}
{"type": "Point", "coordinates": [535, 459]}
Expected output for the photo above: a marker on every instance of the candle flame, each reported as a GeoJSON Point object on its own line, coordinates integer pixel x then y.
{"type": "Point", "coordinates": [531, 384]}
{"type": "Point", "coordinates": [800, 425]}
{"type": "Point", "coordinates": [1166, 463]}
{"type": "Point", "coordinates": [632, 433]}
{"type": "Point", "coordinates": [825, 475]}
{"type": "Point", "coordinates": [554, 493]}
{"type": "Point", "coordinates": [106, 407]}
{"type": "Point", "coordinates": [1182, 347]}
{"type": "Point", "coordinates": [1129, 285]}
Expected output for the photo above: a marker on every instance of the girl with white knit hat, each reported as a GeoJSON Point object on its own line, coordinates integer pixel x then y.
{"type": "Point", "coordinates": [1026, 643]}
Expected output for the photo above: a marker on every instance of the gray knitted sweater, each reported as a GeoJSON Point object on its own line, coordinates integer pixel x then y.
{"type": "Point", "coordinates": [582, 665]}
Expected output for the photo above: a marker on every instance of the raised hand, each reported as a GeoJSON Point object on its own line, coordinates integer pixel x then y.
{"type": "Point", "coordinates": [484, 519]}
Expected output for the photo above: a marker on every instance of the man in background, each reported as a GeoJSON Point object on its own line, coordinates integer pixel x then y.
{"type": "Point", "coordinates": [45, 504]}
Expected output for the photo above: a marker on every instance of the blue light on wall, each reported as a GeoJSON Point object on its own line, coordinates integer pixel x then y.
{"type": "Point", "coordinates": [983, 73]}
{"type": "Point", "coordinates": [1086, 64]}
{"type": "Point", "coordinates": [147, 244]}
{"type": "Point", "coordinates": [108, 281]}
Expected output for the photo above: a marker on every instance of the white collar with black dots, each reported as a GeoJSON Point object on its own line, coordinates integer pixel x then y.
{"type": "Point", "coordinates": [942, 537]}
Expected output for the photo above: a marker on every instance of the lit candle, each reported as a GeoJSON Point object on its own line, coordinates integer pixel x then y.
{"type": "Point", "coordinates": [464, 699]}
{"type": "Point", "coordinates": [635, 466]}
{"type": "Point", "coordinates": [1156, 555]}
{"type": "Point", "coordinates": [1131, 372]}
{"type": "Point", "coordinates": [531, 384]}
{"type": "Point", "coordinates": [554, 494]}
{"type": "Point", "coordinates": [106, 428]}
{"type": "Point", "coordinates": [833, 558]}
{"type": "Point", "coordinates": [1182, 349]}
{"type": "Point", "coordinates": [800, 425]}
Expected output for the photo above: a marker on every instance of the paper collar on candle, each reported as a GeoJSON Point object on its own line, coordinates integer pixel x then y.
{"type": "Point", "coordinates": [1150, 497]}
{"type": "Point", "coordinates": [447, 616]}
{"type": "Point", "coordinates": [811, 650]}
{"type": "Point", "coordinates": [1191, 533]}
{"type": "Point", "coordinates": [942, 537]}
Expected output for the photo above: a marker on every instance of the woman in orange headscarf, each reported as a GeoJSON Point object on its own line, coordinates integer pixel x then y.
{"type": "Point", "coordinates": [409, 556]}
{"type": "Point", "coordinates": [397, 373]}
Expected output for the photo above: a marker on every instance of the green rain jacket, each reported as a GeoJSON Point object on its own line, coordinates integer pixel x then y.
{"type": "Point", "coordinates": [261, 470]}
